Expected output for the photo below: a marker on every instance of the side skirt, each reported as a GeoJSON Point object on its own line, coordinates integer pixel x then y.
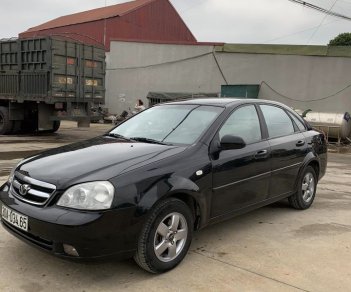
{"type": "Point", "coordinates": [244, 210]}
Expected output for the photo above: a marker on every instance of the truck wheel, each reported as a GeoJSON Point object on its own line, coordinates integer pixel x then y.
{"type": "Point", "coordinates": [5, 123]}
{"type": "Point", "coordinates": [166, 236]}
{"type": "Point", "coordinates": [56, 126]}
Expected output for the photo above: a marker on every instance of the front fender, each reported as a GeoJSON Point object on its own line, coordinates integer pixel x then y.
{"type": "Point", "coordinates": [171, 186]}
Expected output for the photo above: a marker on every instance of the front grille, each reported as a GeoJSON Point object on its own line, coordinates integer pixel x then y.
{"type": "Point", "coordinates": [31, 190]}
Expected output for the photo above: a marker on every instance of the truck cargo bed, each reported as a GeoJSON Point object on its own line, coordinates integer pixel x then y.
{"type": "Point", "coordinates": [50, 69]}
{"type": "Point", "coordinates": [45, 80]}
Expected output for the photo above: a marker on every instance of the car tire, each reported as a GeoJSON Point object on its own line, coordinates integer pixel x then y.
{"type": "Point", "coordinates": [5, 123]}
{"type": "Point", "coordinates": [166, 236]}
{"type": "Point", "coordinates": [306, 192]}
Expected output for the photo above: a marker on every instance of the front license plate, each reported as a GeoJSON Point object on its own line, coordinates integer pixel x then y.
{"type": "Point", "coordinates": [18, 220]}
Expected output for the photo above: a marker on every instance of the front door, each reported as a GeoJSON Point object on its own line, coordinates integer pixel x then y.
{"type": "Point", "coordinates": [240, 176]}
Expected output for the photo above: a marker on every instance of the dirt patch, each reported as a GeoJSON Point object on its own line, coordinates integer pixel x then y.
{"type": "Point", "coordinates": [32, 287]}
{"type": "Point", "coordinates": [326, 229]}
{"type": "Point", "coordinates": [343, 149]}
{"type": "Point", "coordinates": [332, 194]}
{"type": "Point", "coordinates": [17, 141]}
{"type": "Point", "coordinates": [221, 253]}
{"type": "Point", "coordinates": [330, 204]}
{"type": "Point", "coordinates": [5, 172]}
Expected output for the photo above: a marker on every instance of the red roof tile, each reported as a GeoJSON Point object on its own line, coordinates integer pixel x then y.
{"type": "Point", "coordinates": [92, 15]}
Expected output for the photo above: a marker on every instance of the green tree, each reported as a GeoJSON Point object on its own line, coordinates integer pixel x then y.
{"type": "Point", "coordinates": [343, 39]}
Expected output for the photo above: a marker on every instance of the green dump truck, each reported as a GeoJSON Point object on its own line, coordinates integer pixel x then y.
{"type": "Point", "coordinates": [46, 80]}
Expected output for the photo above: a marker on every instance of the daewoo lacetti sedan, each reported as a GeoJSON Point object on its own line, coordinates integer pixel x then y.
{"type": "Point", "coordinates": [143, 188]}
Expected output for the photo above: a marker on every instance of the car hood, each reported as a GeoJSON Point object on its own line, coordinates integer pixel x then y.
{"type": "Point", "coordinates": [100, 158]}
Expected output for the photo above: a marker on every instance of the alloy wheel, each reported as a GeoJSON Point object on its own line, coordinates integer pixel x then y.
{"type": "Point", "coordinates": [170, 237]}
{"type": "Point", "coordinates": [308, 186]}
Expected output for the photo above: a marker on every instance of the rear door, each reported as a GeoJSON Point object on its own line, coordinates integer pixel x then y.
{"type": "Point", "coordinates": [241, 176]}
{"type": "Point", "coordinates": [288, 149]}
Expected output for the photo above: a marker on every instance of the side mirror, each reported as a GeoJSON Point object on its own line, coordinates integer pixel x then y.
{"type": "Point", "coordinates": [229, 142]}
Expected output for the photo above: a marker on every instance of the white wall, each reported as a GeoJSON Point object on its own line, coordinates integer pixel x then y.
{"type": "Point", "coordinates": [302, 78]}
{"type": "Point", "coordinates": [193, 75]}
{"type": "Point", "coordinates": [299, 77]}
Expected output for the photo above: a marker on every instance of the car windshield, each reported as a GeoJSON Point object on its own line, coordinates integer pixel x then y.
{"type": "Point", "coordinates": [168, 124]}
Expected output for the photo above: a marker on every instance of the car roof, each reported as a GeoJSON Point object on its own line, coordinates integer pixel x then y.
{"type": "Point", "coordinates": [222, 101]}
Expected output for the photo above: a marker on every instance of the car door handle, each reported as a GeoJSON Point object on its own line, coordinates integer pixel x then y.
{"type": "Point", "coordinates": [261, 154]}
{"type": "Point", "coordinates": [300, 143]}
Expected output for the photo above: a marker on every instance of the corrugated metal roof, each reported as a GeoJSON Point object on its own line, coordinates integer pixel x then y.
{"type": "Point", "coordinates": [92, 15]}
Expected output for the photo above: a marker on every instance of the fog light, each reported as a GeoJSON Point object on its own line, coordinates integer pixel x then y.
{"type": "Point", "coordinates": [70, 250]}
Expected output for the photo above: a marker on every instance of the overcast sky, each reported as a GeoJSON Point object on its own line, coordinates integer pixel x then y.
{"type": "Point", "coordinates": [230, 21]}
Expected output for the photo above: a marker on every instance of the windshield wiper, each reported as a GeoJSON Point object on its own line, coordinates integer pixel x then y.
{"type": "Point", "coordinates": [148, 140]}
{"type": "Point", "coordinates": [117, 136]}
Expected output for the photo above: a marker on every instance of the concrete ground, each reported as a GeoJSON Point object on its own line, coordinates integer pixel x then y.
{"type": "Point", "coordinates": [274, 248]}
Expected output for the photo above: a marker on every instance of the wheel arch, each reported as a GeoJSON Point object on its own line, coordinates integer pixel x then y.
{"type": "Point", "coordinates": [310, 160]}
{"type": "Point", "coordinates": [192, 203]}
{"type": "Point", "coordinates": [181, 188]}
{"type": "Point", "coordinates": [316, 167]}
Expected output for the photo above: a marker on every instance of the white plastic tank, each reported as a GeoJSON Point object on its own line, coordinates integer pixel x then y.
{"type": "Point", "coordinates": [335, 125]}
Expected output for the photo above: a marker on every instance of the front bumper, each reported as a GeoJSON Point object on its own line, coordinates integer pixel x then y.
{"type": "Point", "coordinates": [92, 234]}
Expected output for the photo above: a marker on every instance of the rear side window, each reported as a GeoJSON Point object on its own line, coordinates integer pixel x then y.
{"type": "Point", "coordinates": [243, 123]}
{"type": "Point", "coordinates": [298, 123]}
{"type": "Point", "coordinates": [277, 120]}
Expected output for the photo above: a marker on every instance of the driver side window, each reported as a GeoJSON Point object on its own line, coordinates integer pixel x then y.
{"type": "Point", "coordinates": [244, 123]}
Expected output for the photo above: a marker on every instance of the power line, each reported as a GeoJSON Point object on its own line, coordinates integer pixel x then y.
{"type": "Point", "coordinates": [213, 53]}
{"type": "Point", "coordinates": [325, 16]}
{"type": "Point", "coordinates": [320, 9]}
{"type": "Point", "coordinates": [160, 64]}
{"type": "Point", "coordinates": [300, 31]}
{"type": "Point", "coordinates": [305, 99]}
{"type": "Point", "coordinates": [219, 66]}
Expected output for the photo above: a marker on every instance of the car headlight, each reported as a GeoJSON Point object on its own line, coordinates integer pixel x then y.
{"type": "Point", "coordinates": [96, 195]}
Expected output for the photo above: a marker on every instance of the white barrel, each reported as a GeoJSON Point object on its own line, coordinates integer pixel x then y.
{"type": "Point", "coordinates": [335, 125]}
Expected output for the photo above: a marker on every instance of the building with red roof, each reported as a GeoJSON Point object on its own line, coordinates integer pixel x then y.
{"type": "Point", "coordinates": [146, 20]}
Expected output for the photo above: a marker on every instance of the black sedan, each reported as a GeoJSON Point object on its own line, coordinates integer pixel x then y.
{"type": "Point", "coordinates": [143, 188]}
